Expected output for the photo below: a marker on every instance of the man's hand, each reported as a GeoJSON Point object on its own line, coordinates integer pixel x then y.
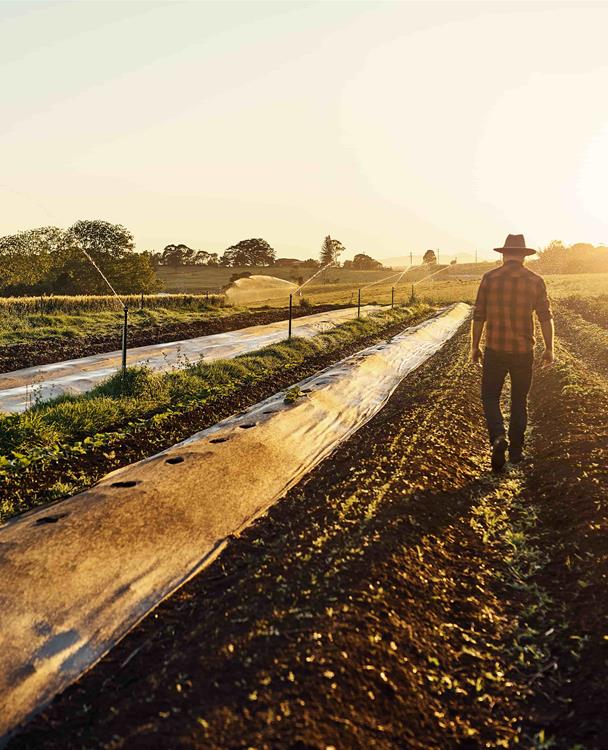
{"type": "Point", "coordinates": [476, 355]}
{"type": "Point", "coordinates": [548, 357]}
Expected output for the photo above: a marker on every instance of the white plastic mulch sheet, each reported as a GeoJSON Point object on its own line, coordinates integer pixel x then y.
{"type": "Point", "coordinates": [78, 575]}
{"type": "Point", "coordinates": [21, 388]}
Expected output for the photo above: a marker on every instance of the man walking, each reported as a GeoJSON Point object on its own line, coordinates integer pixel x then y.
{"type": "Point", "coordinates": [506, 299]}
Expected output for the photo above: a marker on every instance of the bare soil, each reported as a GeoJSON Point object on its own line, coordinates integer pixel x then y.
{"type": "Point", "coordinates": [400, 597]}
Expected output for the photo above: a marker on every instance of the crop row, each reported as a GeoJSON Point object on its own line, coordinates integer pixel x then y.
{"type": "Point", "coordinates": [593, 309]}
{"type": "Point", "coordinates": [93, 303]}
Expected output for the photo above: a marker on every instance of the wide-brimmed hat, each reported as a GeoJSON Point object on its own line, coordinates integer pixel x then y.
{"type": "Point", "coordinates": [515, 243]}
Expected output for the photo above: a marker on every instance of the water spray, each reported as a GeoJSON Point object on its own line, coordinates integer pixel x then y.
{"type": "Point", "coordinates": [298, 291]}
{"type": "Point", "coordinates": [53, 218]}
{"type": "Point", "coordinates": [331, 263]}
{"type": "Point", "coordinates": [429, 276]}
{"type": "Point", "coordinates": [125, 322]}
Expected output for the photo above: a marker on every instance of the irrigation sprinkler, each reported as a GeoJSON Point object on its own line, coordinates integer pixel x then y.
{"type": "Point", "coordinates": [125, 333]}
{"type": "Point", "coordinates": [290, 311]}
{"type": "Point", "coordinates": [359, 304]}
{"type": "Point", "coordinates": [392, 297]}
{"type": "Point", "coordinates": [125, 325]}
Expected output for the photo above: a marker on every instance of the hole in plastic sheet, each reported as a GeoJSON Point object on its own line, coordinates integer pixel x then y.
{"type": "Point", "coordinates": [175, 460]}
{"type": "Point", "coordinates": [126, 483]}
{"type": "Point", "coordinates": [49, 519]}
{"type": "Point", "coordinates": [247, 426]}
{"type": "Point", "coordinates": [219, 440]}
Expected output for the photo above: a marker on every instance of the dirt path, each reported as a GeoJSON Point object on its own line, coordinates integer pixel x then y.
{"type": "Point", "coordinates": [401, 597]}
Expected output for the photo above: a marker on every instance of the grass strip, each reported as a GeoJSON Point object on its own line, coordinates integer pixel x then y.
{"type": "Point", "coordinates": [30, 326]}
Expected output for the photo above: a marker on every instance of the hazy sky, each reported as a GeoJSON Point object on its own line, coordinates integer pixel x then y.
{"type": "Point", "coordinates": [393, 126]}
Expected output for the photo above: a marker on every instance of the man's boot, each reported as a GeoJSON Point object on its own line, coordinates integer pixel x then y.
{"type": "Point", "coordinates": [516, 453]}
{"type": "Point", "coordinates": [499, 448]}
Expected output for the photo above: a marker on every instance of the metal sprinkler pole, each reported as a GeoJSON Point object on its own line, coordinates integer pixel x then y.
{"type": "Point", "coordinates": [125, 330]}
{"type": "Point", "coordinates": [359, 304]}
{"type": "Point", "coordinates": [290, 309]}
{"type": "Point", "coordinates": [392, 297]}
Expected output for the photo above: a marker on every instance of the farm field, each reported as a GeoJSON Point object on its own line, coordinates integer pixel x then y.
{"type": "Point", "coordinates": [77, 327]}
{"type": "Point", "coordinates": [30, 339]}
{"type": "Point", "coordinates": [60, 447]}
{"type": "Point", "coordinates": [21, 389]}
{"type": "Point", "coordinates": [399, 596]}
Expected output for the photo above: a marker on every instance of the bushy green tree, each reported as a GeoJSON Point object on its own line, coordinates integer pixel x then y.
{"type": "Point", "coordinates": [49, 259]}
{"type": "Point", "coordinates": [26, 258]}
{"type": "Point", "coordinates": [364, 262]}
{"type": "Point", "coordinates": [429, 258]}
{"type": "Point", "coordinates": [253, 252]}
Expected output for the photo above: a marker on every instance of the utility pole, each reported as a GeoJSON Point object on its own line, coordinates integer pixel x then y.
{"type": "Point", "coordinates": [437, 255]}
{"type": "Point", "coordinates": [411, 258]}
{"type": "Point", "coordinates": [475, 257]}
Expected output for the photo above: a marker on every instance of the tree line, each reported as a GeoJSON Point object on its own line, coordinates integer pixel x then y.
{"type": "Point", "coordinates": [50, 260]}
{"type": "Point", "coordinates": [258, 252]}
{"type": "Point", "coordinates": [581, 257]}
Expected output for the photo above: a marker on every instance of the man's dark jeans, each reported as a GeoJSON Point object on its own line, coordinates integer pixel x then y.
{"type": "Point", "coordinates": [496, 365]}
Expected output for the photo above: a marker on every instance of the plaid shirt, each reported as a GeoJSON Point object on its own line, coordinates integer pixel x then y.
{"type": "Point", "coordinates": [506, 298]}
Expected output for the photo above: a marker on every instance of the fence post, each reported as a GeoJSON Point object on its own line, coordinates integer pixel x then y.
{"type": "Point", "coordinates": [412, 296]}
{"type": "Point", "coordinates": [392, 297]}
{"type": "Point", "coordinates": [290, 309]}
{"type": "Point", "coordinates": [125, 328]}
{"type": "Point", "coordinates": [359, 304]}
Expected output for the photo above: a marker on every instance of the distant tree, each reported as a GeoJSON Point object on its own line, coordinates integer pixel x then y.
{"type": "Point", "coordinates": [212, 259]}
{"type": "Point", "coordinates": [27, 258]}
{"type": "Point", "coordinates": [311, 262]}
{"type": "Point", "coordinates": [156, 258]}
{"type": "Point", "coordinates": [252, 252]}
{"type": "Point", "coordinates": [429, 258]}
{"type": "Point", "coordinates": [49, 259]}
{"type": "Point", "coordinates": [330, 251]}
{"type": "Point", "coordinates": [177, 255]}
{"type": "Point", "coordinates": [581, 257]}
{"type": "Point", "coordinates": [112, 248]}
{"type": "Point", "coordinates": [364, 262]}
{"type": "Point", "coordinates": [348, 264]}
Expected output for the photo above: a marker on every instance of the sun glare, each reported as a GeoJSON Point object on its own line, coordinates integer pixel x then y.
{"type": "Point", "coordinates": [591, 181]}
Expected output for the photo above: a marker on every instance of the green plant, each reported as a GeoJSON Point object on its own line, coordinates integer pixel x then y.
{"type": "Point", "coordinates": [293, 394]}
